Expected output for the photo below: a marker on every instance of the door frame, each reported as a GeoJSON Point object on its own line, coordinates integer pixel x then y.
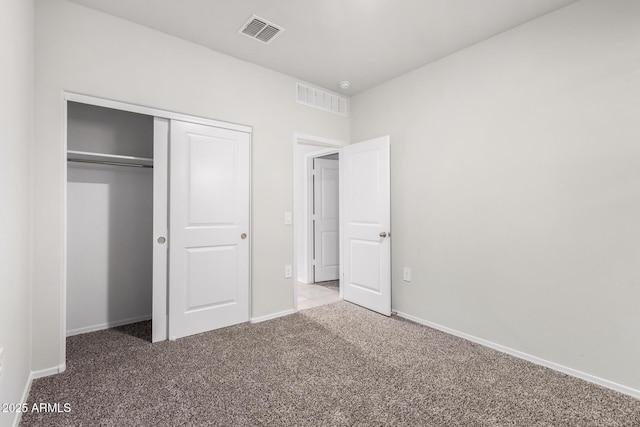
{"type": "Point", "coordinates": [302, 158]}
{"type": "Point", "coordinates": [133, 108]}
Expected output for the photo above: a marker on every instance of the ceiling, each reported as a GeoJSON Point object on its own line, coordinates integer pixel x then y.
{"type": "Point", "coordinates": [326, 41]}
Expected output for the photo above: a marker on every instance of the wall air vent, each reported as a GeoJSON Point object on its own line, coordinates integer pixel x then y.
{"type": "Point", "coordinates": [260, 29]}
{"type": "Point", "coordinates": [325, 101]}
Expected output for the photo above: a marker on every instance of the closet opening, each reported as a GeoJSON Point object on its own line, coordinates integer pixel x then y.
{"type": "Point", "coordinates": [110, 219]}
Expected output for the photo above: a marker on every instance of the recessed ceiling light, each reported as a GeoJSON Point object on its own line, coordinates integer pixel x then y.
{"type": "Point", "coordinates": [345, 84]}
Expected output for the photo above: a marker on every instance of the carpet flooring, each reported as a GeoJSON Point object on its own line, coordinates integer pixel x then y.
{"type": "Point", "coordinates": [334, 365]}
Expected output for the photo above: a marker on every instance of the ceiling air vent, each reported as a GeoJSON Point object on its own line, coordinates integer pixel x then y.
{"type": "Point", "coordinates": [260, 29]}
{"type": "Point", "coordinates": [325, 101]}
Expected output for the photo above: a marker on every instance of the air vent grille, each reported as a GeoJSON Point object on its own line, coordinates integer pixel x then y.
{"type": "Point", "coordinates": [254, 27]}
{"type": "Point", "coordinates": [260, 29]}
{"type": "Point", "coordinates": [321, 100]}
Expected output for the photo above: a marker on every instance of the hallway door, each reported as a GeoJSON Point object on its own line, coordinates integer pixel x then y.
{"type": "Point", "coordinates": [365, 177]}
{"type": "Point", "coordinates": [326, 239]}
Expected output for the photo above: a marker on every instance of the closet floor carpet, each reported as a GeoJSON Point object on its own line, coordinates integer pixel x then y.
{"type": "Point", "coordinates": [332, 365]}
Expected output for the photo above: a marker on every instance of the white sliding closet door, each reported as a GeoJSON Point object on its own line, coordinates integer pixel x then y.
{"type": "Point", "coordinates": [209, 227]}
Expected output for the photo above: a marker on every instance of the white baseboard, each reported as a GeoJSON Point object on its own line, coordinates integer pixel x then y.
{"type": "Point", "coordinates": [49, 371]}
{"type": "Point", "coordinates": [528, 357]}
{"type": "Point", "coordinates": [23, 399]}
{"type": "Point", "coordinates": [107, 325]}
{"type": "Point", "coordinates": [27, 388]}
{"type": "Point", "coordinates": [271, 316]}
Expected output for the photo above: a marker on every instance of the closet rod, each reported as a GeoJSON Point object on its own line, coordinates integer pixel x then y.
{"type": "Point", "coordinates": [102, 162]}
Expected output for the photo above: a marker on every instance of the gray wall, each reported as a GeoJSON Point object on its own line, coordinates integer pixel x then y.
{"type": "Point", "coordinates": [108, 131]}
{"type": "Point", "coordinates": [109, 220]}
{"type": "Point", "coordinates": [16, 137]}
{"type": "Point", "coordinates": [516, 188]}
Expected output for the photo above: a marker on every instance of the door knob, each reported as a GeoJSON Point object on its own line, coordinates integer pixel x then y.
{"type": "Point", "coordinates": [161, 240]}
{"type": "Point", "coordinates": [243, 236]}
{"type": "Point", "coordinates": [383, 234]}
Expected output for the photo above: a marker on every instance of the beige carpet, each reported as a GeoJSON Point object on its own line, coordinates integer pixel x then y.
{"type": "Point", "coordinates": [333, 365]}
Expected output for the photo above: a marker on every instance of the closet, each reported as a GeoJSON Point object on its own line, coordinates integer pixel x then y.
{"type": "Point", "coordinates": [158, 219]}
{"type": "Point", "coordinates": [109, 217]}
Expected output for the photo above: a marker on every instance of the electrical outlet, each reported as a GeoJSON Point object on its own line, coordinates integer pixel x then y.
{"type": "Point", "coordinates": [406, 275]}
{"type": "Point", "coordinates": [288, 271]}
{"type": "Point", "coordinates": [1, 361]}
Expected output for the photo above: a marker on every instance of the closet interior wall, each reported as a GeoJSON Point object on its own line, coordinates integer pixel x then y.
{"type": "Point", "coordinates": [109, 220]}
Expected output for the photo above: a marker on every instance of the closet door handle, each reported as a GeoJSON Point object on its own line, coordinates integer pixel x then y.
{"type": "Point", "coordinates": [161, 240]}
{"type": "Point", "coordinates": [243, 236]}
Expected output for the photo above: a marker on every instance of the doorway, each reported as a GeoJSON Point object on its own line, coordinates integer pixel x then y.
{"type": "Point", "coordinates": [364, 219]}
{"type": "Point", "coordinates": [324, 233]}
{"type": "Point", "coordinates": [316, 281]}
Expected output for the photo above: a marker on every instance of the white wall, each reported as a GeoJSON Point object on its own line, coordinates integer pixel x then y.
{"type": "Point", "coordinates": [16, 135]}
{"type": "Point", "coordinates": [516, 188]}
{"type": "Point", "coordinates": [84, 51]}
{"type": "Point", "coordinates": [109, 221]}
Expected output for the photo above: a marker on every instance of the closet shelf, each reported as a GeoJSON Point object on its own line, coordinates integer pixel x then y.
{"type": "Point", "coordinates": [109, 158]}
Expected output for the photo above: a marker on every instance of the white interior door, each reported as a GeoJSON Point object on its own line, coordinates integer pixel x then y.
{"type": "Point", "coordinates": [366, 217]}
{"type": "Point", "coordinates": [160, 228]}
{"type": "Point", "coordinates": [209, 227]}
{"type": "Point", "coordinates": [326, 237]}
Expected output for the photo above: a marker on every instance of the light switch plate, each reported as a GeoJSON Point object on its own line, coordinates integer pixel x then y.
{"type": "Point", "coordinates": [288, 218]}
{"type": "Point", "coordinates": [406, 275]}
{"type": "Point", "coordinates": [288, 271]}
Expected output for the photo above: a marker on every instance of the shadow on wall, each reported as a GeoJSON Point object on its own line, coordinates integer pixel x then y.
{"type": "Point", "coordinates": [109, 245]}
{"type": "Point", "coordinates": [130, 247]}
